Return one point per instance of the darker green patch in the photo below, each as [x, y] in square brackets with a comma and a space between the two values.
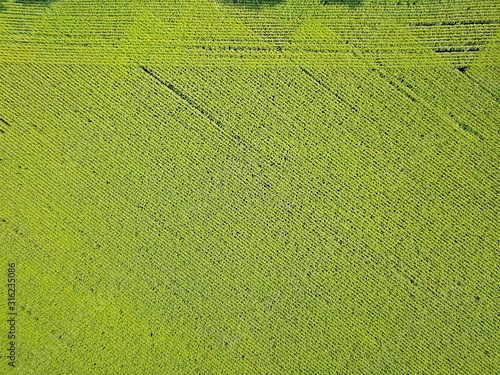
[33, 2]
[251, 3]
[467, 128]
[351, 3]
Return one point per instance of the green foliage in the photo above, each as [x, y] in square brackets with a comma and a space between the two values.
[197, 187]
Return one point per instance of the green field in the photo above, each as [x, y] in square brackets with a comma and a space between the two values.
[259, 187]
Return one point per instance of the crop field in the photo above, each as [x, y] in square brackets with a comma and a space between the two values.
[250, 186]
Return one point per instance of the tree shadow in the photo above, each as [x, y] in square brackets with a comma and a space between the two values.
[351, 3]
[253, 4]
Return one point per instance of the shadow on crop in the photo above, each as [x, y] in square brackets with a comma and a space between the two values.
[254, 4]
[27, 3]
[33, 2]
[351, 3]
